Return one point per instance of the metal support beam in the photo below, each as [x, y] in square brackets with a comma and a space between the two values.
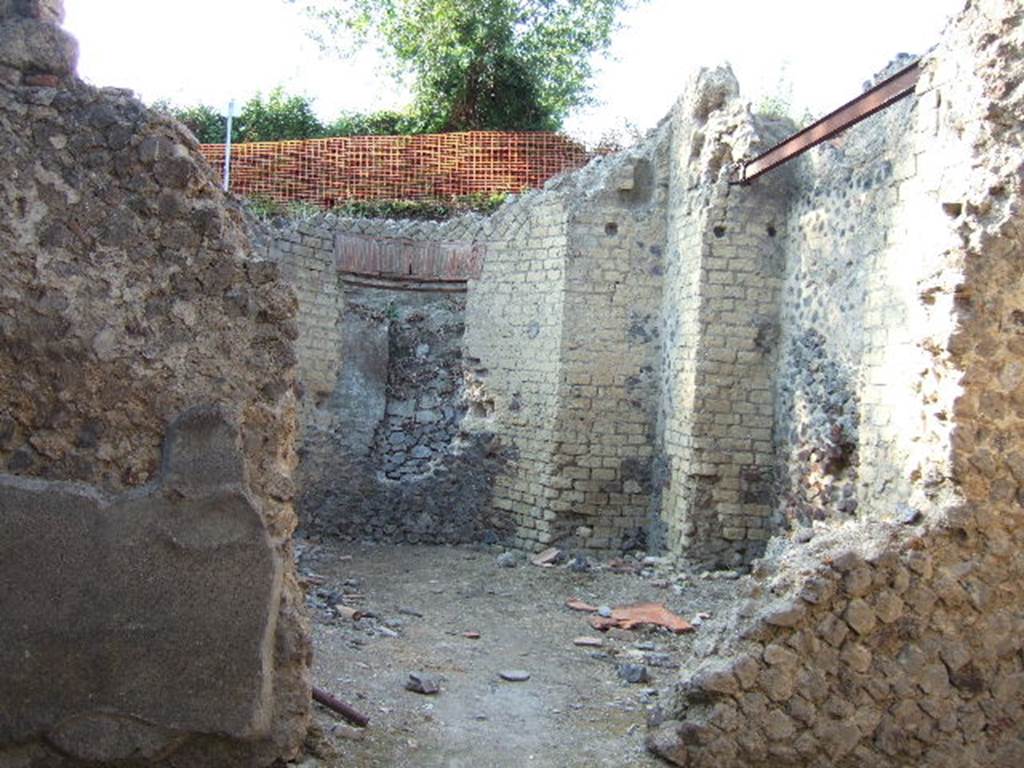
[879, 97]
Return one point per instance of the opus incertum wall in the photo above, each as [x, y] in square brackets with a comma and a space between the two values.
[149, 602]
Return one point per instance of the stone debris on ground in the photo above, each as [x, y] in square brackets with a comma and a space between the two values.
[633, 673]
[699, 619]
[520, 614]
[508, 559]
[549, 557]
[514, 675]
[347, 612]
[421, 682]
[579, 564]
[575, 604]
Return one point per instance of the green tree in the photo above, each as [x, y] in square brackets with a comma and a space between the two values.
[383, 123]
[278, 117]
[205, 122]
[480, 64]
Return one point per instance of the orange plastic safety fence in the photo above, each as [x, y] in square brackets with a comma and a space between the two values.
[326, 172]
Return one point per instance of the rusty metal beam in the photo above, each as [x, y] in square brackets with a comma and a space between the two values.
[877, 98]
[342, 708]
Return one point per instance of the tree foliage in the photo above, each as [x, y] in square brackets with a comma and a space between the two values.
[277, 118]
[205, 122]
[280, 116]
[482, 64]
[383, 123]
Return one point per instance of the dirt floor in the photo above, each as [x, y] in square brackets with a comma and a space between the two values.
[575, 710]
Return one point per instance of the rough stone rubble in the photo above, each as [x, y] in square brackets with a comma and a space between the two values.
[129, 297]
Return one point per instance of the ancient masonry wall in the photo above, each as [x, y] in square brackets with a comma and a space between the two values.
[896, 638]
[621, 346]
[305, 255]
[129, 298]
[838, 315]
[514, 317]
[555, 398]
[384, 452]
[610, 345]
[729, 378]
[720, 308]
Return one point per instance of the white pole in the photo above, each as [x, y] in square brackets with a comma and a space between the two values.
[227, 147]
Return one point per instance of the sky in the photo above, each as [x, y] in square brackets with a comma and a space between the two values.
[814, 53]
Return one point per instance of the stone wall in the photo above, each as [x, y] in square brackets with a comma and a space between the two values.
[548, 406]
[386, 455]
[513, 348]
[840, 232]
[562, 330]
[395, 463]
[611, 338]
[129, 297]
[670, 361]
[720, 308]
[895, 638]
[304, 253]
[622, 338]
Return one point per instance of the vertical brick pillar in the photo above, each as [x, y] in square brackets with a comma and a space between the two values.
[720, 310]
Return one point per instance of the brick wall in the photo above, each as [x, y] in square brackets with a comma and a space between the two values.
[611, 340]
[720, 309]
[513, 345]
[305, 252]
[325, 172]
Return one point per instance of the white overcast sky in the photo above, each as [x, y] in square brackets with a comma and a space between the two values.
[192, 51]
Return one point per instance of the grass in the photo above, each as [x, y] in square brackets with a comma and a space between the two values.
[424, 210]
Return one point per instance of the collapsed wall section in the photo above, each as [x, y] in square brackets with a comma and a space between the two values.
[386, 389]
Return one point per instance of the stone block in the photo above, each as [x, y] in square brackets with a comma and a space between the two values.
[37, 47]
[133, 619]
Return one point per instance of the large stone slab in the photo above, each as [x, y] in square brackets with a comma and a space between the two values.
[128, 621]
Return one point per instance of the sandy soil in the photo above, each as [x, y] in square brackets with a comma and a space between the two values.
[574, 711]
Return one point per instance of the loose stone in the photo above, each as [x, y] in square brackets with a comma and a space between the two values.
[421, 682]
[633, 673]
[514, 675]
